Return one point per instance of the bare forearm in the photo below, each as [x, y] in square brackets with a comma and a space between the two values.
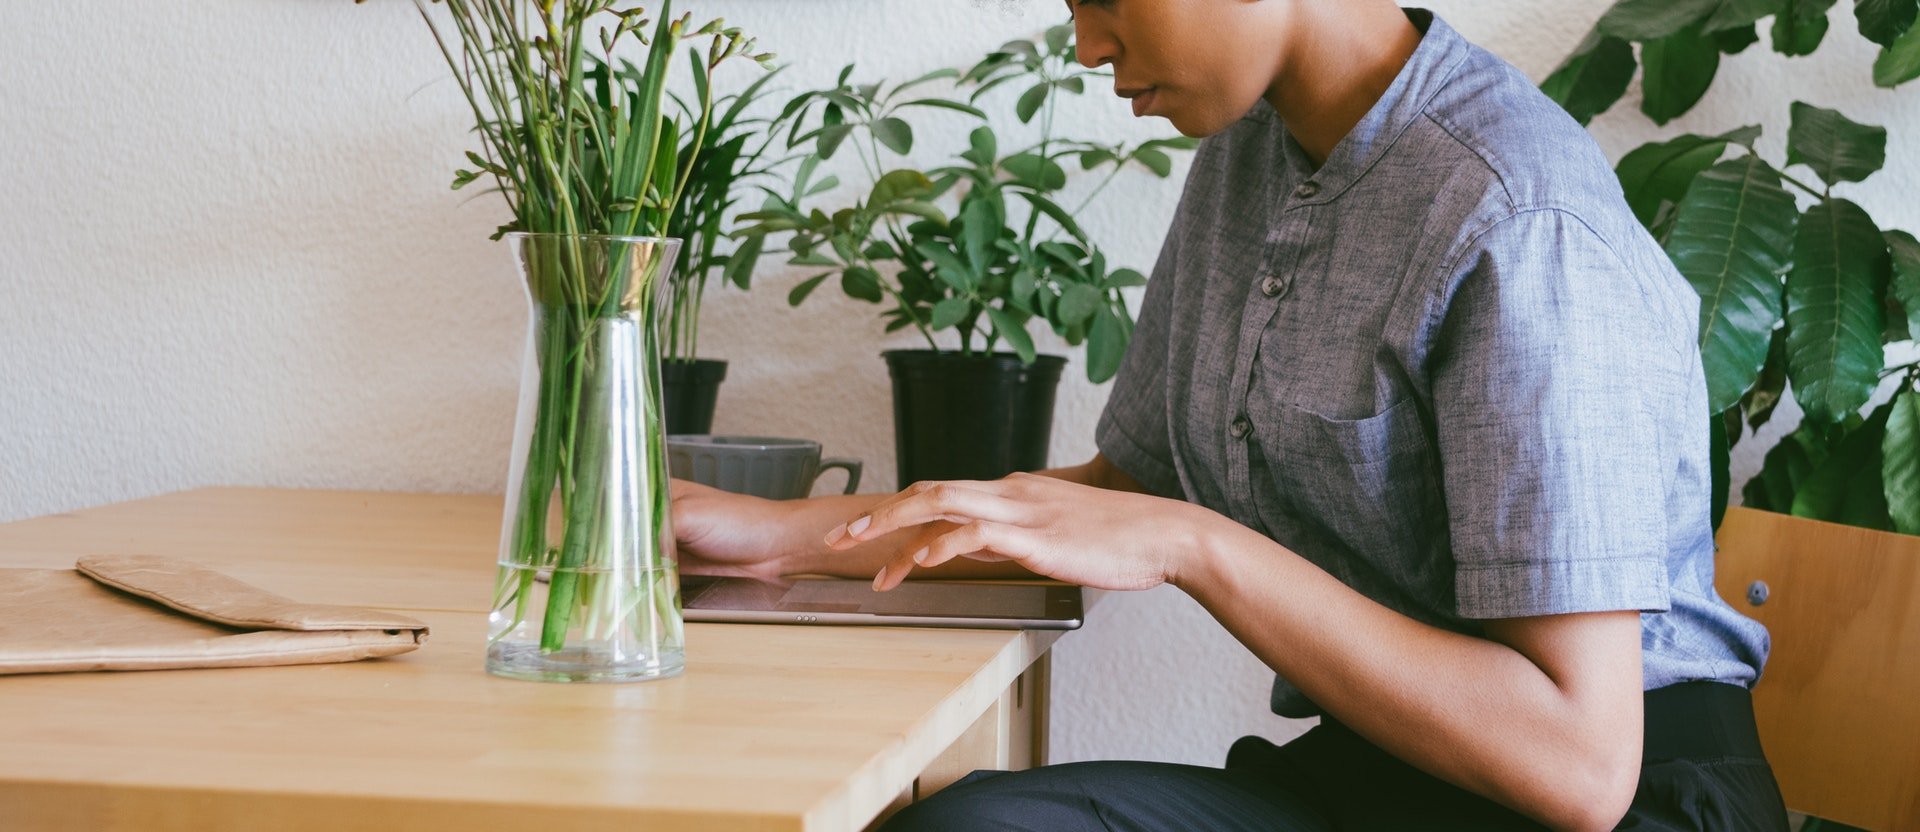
[1469, 710]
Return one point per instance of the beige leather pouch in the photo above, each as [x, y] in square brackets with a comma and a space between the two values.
[141, 612]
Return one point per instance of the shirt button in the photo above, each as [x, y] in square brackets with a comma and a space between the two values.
[1241, 427]
[1274, 286]
[1307, 191]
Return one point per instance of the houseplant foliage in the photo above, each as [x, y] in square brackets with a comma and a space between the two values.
[732, 153]
[592, 167]
[981, 245]
[1797, 283]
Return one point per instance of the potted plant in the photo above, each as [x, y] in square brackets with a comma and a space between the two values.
[1817, 297]
[734, 153]
[979, 247]
[592, 168]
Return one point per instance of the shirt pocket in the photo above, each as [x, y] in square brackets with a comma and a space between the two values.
[1372, 483]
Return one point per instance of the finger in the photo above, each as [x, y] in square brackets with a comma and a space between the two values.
[958, 501]
[982, 538]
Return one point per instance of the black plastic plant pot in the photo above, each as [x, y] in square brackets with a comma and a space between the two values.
[980, 417]
[690, 389]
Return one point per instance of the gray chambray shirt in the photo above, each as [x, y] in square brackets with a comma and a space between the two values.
[1448, 367]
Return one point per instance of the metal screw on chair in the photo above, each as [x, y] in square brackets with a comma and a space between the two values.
[1757, 593]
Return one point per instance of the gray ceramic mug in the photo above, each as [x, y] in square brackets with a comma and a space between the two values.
[764, 466]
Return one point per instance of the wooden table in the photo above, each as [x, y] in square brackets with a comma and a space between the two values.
[770, 728]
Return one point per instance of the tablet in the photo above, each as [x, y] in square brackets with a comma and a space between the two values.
[941, 603]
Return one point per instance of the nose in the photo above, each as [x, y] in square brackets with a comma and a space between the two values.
[1094, 43]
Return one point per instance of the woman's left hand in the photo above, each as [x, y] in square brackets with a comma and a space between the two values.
[1079, 534]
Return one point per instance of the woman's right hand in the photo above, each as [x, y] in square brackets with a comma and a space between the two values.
[721, 533]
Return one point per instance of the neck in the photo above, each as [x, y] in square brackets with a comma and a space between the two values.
[1340, 58]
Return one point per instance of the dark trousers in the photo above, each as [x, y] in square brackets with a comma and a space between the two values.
[1702, 770]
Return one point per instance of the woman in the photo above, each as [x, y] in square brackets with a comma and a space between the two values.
[1414, 408]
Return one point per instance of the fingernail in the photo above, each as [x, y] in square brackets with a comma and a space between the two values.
[878, 578]
[921, 556]
[858, 526]
[836, 535]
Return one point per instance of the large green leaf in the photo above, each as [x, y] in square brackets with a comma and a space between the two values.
[1594, 77]
[1847, 487]
[1834, 310]
[1884, 21]
[1838, 148]
[1906, 275]
[1734, 14]
[1647, 20]
[1760, 401]
[1735, 41]
[1662, 172]
[1679, 69]
[1799, 30]
[1731, 239]
[1900, 465]
[1900, 62]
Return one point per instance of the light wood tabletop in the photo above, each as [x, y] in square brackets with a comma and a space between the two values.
[770, 728]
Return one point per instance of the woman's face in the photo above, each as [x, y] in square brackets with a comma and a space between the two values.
[1201, 64]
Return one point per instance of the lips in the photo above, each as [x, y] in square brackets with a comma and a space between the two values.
[1142, 97]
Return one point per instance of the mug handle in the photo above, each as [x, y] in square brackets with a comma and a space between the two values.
[850, 465]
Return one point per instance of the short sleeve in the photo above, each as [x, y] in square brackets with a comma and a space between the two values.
[1552, 373]
[1133, 430]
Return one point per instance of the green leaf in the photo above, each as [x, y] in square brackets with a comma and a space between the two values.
[831, 137]
[950, 312]
[1058, 37]
[739, 271]
[1736, 41]
[1015, 334]
[1030, 101]
[1731, 239]
[1123, 278]
[895, 133]
[1884, 21]
[1663, 172]
[1838, 149]
[979, 227]
[1056, 213]
[985, 146]
[1765, 395]
[1106, 346]
[1679, 69]
[1900, 62]
[1787, 467]
[1900, 465]
[1649, 20]
[862, 283]
[1155, 161]
[1906, 275]
[1847, 487]
[1834, 310]
[947, 266]
[944, 104]
[924, 210]
[1799, 29]
[1036, 172]
[1078, 303]
[1592, 78]
[1735, 14]
[897, 185]
[806, 287]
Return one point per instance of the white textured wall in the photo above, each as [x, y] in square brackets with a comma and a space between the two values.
[229, 256]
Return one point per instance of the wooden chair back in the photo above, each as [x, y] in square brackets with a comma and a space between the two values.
[1839, 701]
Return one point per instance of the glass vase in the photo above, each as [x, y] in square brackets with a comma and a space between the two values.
[588, 590]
